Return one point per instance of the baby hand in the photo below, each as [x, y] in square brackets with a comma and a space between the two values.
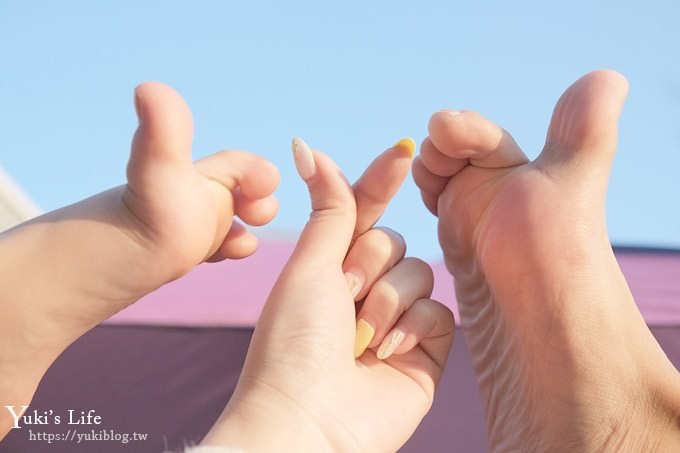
[180, 212]
[66, 271]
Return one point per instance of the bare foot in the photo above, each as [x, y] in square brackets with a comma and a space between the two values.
[563, 358]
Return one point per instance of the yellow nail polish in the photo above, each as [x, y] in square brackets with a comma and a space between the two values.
[407, 144]
[363, 338]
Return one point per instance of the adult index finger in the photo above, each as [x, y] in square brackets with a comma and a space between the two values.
[380, 182]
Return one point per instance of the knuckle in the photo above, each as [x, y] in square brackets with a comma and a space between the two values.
[417, 269]
[368, 194]
[393, 236]
[376, 242]
[386, 296]
[416, 265]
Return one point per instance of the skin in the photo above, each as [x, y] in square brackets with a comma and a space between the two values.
[64, 272]
[68, 270]
[301, 388]
[563, 358]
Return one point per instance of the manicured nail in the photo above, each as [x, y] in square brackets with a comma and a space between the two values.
[353, 283]
[364, 336]
[390, 344]
[407, 144]
[304, 159]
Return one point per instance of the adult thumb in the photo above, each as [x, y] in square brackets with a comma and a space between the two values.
[326, 238]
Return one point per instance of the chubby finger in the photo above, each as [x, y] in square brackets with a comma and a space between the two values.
[371, 255]
[165, 123]
[411, 279]
[255, 212]
[427, 323]
[380, 182]
[163, 136]
[253, 175]
[238, 243]
[240, 174]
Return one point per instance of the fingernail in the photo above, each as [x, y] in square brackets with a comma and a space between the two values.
[353, 283]
[304, 159]
[407, 144]
[390, 344]
[363, 338]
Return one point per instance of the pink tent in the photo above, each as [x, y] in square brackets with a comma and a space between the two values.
[166, 366]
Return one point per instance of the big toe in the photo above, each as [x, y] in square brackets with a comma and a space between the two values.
[584, 126]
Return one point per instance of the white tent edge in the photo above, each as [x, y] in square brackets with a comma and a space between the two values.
[15, 205]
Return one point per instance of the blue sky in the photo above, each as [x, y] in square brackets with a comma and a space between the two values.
[349, 77]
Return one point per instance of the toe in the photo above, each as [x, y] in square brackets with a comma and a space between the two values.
[583, 130]
[430, 185]
[439, 163]
[468, 135]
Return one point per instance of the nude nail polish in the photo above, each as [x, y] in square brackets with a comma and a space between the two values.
[390, 344]
[304, 159]
[353, 283]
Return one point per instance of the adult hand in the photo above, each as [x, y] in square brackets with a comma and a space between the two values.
[302, 387]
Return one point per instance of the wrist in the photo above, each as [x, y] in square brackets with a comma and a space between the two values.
[267, 422]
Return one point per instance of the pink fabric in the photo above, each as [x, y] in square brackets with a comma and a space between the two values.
[229, 293]
[654, 279]
[232, 293]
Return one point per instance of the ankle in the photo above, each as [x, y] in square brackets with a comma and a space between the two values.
[667, 415]
[651, 427]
